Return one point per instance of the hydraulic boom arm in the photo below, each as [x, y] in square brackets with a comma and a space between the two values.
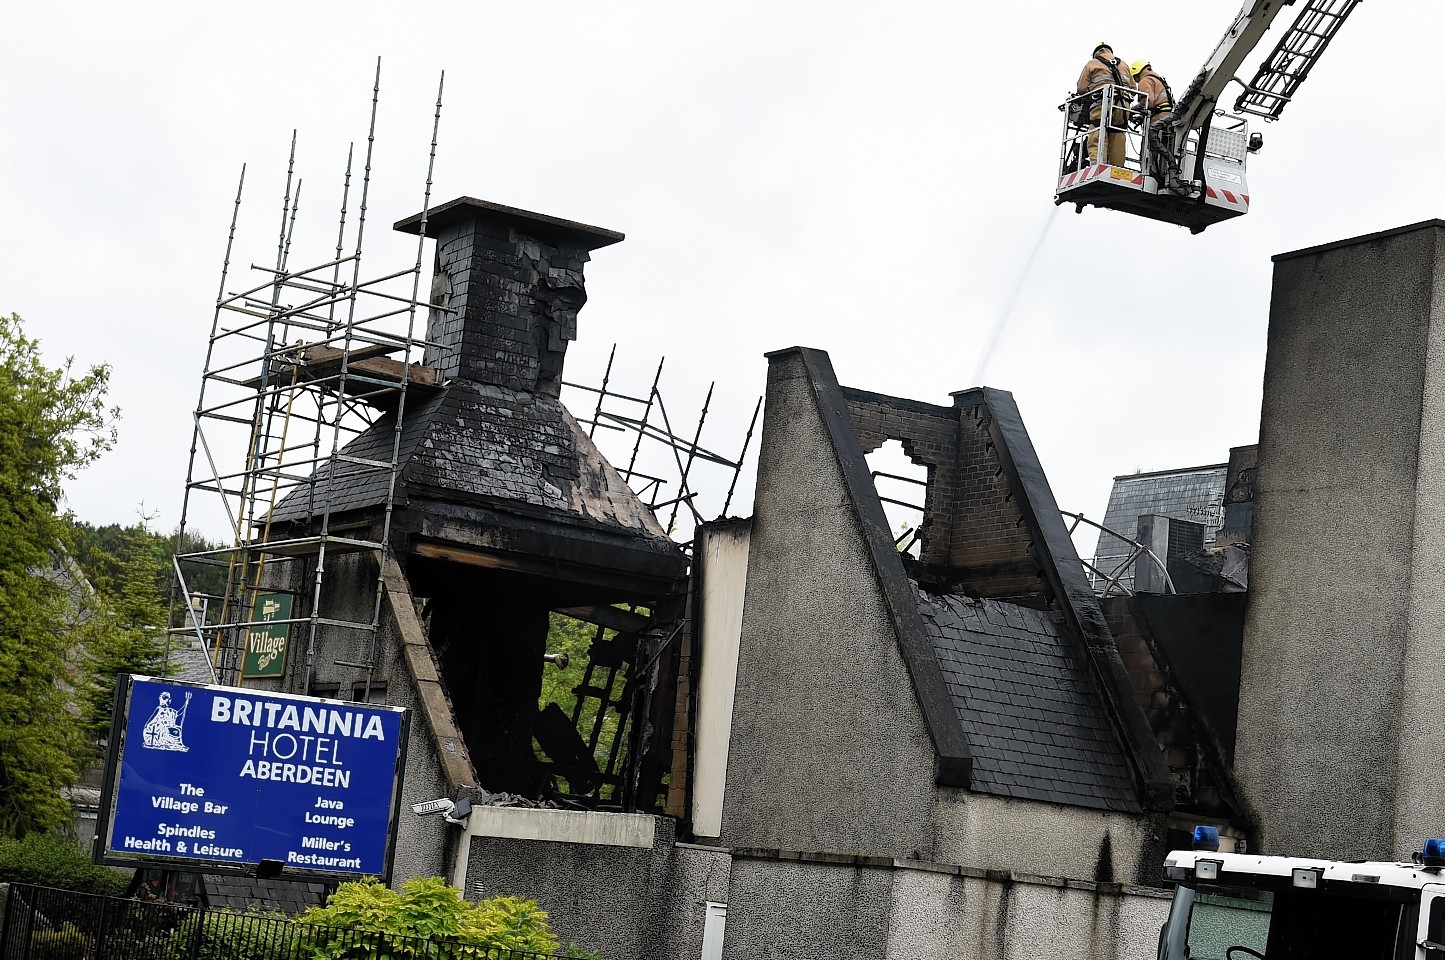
[1190, 167]
[1198, 102]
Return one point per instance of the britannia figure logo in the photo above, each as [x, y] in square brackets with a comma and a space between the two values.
[163, 730]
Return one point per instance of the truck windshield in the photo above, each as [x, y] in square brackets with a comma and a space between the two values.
[1220, 922]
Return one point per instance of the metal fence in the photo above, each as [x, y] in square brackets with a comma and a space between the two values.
[42, 923]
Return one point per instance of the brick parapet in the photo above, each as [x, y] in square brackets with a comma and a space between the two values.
[971, 523]
[928, 439]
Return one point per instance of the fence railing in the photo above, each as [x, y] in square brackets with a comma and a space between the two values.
[43, 923]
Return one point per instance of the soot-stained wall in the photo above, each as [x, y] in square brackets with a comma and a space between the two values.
[1338, 749]
[823, 713]
[515, 285]
[809, 908]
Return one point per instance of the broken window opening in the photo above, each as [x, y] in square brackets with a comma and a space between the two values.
[584, 730]
[902, 485]
[375, 693]
[543, 676]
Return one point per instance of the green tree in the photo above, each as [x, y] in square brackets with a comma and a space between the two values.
[53, 422]
[96, 549]
[100, 552]
[559, 686]
[125, 632]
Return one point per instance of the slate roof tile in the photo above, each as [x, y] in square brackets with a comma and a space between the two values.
[1028, 704]
[190, 661]
[480, 440]
[249, 893]
[1196, 494]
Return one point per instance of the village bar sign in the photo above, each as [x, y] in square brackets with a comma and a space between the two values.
[227, 780]
[266, 639]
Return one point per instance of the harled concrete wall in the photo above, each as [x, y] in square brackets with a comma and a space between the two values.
[829, 749]
[637, 896]
[986, 832]
[1338, 751]
[607, 897]
[811, 910]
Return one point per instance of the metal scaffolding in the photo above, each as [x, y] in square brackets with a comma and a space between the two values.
[678, 458]
[1109, 582]
[297, 364]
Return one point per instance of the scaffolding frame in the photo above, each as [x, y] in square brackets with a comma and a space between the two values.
[1108, 583]
[296, 366]
[618, 412]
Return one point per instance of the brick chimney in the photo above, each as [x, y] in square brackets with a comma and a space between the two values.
[512, 282]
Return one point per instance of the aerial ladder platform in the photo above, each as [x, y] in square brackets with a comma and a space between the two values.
[1189, 168]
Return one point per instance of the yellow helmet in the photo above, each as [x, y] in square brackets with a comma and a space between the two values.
[1101, 45]
[1137, 66]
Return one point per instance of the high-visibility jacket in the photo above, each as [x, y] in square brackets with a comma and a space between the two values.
[1100, 72]
[1156, 92]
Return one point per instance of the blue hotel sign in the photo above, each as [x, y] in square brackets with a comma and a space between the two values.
[220, 779]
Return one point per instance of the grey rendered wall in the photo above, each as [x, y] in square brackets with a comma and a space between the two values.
[616, 900]
[698, 875]
[1420, 752]
[805, 910]
[985, 832]
[785, 910]
[829, 750]
[1344, 646]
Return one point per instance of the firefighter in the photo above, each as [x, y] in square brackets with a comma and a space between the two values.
[1102, 70]
[1156, 98]
[1153, 91]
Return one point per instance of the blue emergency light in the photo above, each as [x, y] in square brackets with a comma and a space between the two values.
[1206, 838]
[1434, 855]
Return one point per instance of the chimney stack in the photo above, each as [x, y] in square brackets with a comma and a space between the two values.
[511, 281]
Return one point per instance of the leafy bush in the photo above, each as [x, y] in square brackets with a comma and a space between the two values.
[64, 943]
[232, 935]
[53, 861]
[575, 952]
[427, 908]
[509, 923]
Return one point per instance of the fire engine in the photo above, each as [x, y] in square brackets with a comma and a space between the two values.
[1240, 906]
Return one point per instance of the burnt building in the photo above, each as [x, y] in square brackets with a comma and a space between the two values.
[806, 708]
[828, 746]
[799, 705]
[501, 516]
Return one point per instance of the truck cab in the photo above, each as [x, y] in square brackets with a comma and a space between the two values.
[1236, 906]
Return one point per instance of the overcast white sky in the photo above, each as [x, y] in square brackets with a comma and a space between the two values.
[864, 178]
